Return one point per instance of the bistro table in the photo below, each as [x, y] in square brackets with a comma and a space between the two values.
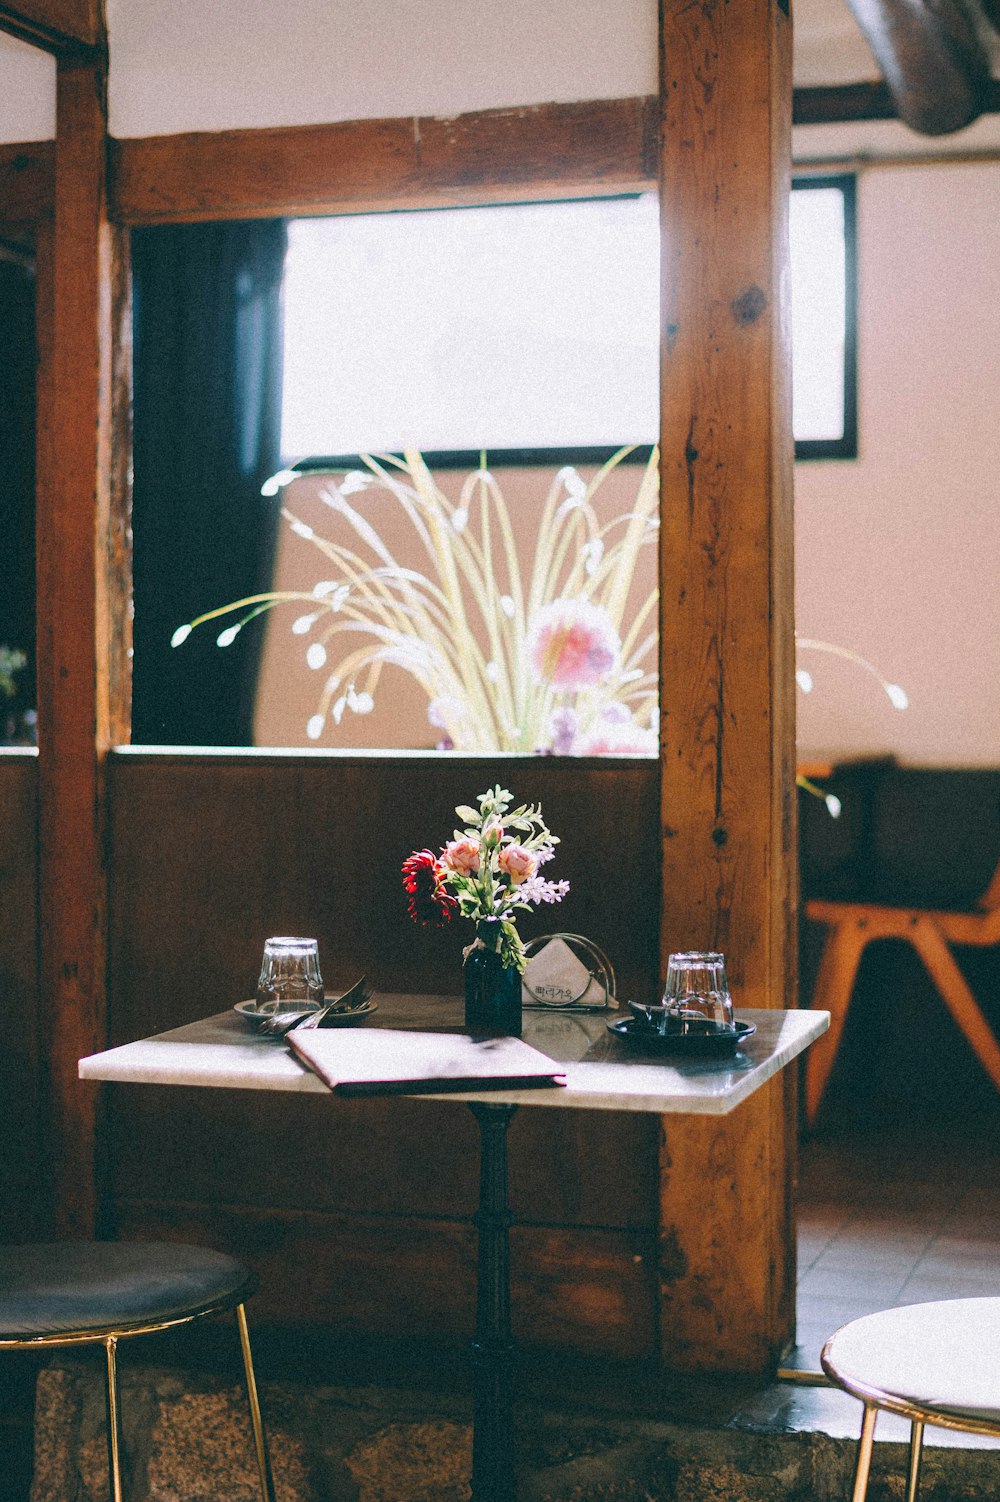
[603, 1073]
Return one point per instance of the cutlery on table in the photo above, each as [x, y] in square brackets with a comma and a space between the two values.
[284, 1022]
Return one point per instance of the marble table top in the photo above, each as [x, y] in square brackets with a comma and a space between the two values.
[603, 1072]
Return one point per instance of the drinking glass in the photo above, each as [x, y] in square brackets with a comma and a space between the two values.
[289, 976]
[696, 997]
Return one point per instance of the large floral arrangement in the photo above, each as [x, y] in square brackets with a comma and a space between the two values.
[487, 871]
[559, 658]
[555, 657]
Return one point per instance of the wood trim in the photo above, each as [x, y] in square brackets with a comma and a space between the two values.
[540, 151]
[77, 615]
[728, 808]
[65, 27]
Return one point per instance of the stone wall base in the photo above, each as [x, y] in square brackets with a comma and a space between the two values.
[188, 1439]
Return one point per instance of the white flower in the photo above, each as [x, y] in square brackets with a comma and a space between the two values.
[354, 481]
[536, 889]
[316, 656]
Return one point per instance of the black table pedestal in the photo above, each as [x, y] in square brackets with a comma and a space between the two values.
[493, 1346]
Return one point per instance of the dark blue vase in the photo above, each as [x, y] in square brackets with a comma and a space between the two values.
[492, 989]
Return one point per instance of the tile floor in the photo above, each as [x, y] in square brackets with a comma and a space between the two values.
[887, 1219]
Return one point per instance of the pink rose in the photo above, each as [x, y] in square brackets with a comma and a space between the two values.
[461, 856]
[518, 863]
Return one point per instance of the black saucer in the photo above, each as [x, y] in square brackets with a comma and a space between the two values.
[646, 1038]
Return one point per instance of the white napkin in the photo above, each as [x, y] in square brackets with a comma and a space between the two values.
[557, 977]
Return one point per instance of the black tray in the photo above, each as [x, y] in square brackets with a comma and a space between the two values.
[645, 1039]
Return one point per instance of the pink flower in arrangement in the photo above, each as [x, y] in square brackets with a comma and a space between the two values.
[612, 739]
[461, 856]
[572, 644]
[517, 862]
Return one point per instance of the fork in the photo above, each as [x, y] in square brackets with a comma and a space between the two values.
[284, 1022]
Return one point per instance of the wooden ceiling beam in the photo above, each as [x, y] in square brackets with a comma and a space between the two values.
[65, 27]
[933, 61]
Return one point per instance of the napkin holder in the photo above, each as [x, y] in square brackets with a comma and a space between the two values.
[567, 973]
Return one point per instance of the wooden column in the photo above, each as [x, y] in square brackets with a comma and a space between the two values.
[727, 649]
[82, 605]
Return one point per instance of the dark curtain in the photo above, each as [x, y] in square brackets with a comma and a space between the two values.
[17, 469]
[207, 405]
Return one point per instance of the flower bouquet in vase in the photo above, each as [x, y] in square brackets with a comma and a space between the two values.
[486, 872]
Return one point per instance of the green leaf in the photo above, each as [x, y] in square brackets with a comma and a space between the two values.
[469, 815]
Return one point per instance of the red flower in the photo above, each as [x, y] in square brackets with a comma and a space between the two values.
[428, 901]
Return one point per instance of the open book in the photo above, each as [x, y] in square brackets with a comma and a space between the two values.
[380, 1061]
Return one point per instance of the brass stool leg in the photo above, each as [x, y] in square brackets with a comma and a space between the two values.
[114, 1421]
[865, 1446]
[916, 1445]
[259, 1435]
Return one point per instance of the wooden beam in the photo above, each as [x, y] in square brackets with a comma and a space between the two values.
[82, 601]
[727, 648]
[541, 151]
[935, 66]
[486, 156]
[60, 26]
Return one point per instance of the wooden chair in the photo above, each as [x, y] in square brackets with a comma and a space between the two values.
[935, 1363]
[855, 925]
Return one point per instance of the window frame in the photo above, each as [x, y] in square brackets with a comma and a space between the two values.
[845, 447]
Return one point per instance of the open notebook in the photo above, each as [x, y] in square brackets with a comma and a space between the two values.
[380, 1061]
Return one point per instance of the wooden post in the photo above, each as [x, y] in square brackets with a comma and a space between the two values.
[82, 604]
[727, 649]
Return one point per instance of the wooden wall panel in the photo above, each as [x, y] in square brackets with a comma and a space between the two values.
[210, 854]
[214, 852]
[19, 1059]
[589, 1292]
[27, 179]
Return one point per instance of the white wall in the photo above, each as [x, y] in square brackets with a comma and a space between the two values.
[27, 92]
[898, 554]
[181, 65]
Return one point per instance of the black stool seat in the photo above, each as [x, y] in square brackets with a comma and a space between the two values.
[79, 1292]
[65, 1289]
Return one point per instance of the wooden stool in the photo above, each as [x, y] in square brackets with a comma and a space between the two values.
[81, 1293]
[855, 925]
[932, 1363]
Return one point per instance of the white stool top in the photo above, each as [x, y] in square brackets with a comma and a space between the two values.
[938, 1362]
